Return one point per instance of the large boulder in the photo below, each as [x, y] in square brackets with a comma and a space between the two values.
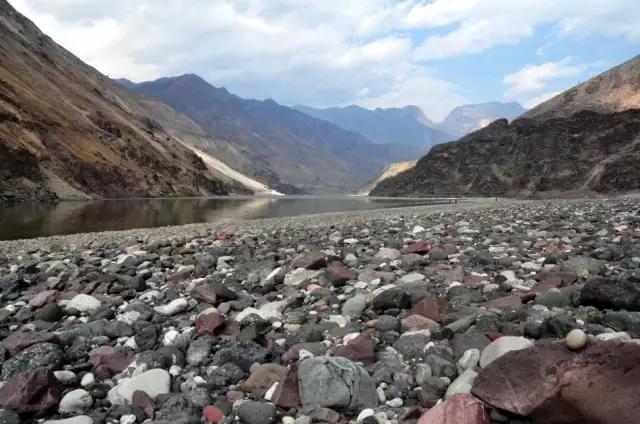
[30, 391]
[335, 382]
[47, 355]
[613, 293]
[551, 384]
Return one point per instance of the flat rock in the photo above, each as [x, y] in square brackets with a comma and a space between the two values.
[550, 384]
[501, 346]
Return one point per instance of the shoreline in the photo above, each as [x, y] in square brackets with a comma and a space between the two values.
[72, 241]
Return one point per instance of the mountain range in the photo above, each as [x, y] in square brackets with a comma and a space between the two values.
[585, 140]
[309, 154]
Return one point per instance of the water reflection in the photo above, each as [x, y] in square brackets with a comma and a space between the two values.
[43, 219]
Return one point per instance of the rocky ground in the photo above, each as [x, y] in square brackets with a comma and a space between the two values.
[528, 312]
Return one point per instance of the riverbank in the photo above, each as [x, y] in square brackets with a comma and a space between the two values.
[476, 312]
[230, 224]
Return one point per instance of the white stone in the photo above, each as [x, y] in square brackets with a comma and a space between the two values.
[88, 380]
[174, 307]
[499, 347]
[364, 414]
[154, 382]
[619, 335]
[299, 276]
[129, 317]
[531, 266]
[170, 337]
[84, 303]
[469, 359]
[273, 273]
[388, 253]
[269, 394]
[80, 419]
[75, 402]
[65, 377]
[411, 278]
[395, 403]
[509, 275]
[272, 310]
[462, 384]
[128, 419]
[417, 230]
[576, 339]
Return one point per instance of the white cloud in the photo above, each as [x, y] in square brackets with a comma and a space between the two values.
[534, 78]
[320, 53]
[478, 25]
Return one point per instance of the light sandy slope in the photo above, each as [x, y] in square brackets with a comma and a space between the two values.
[389, 171]
[221, 167]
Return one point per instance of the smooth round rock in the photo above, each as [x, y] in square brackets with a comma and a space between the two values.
[576, 339]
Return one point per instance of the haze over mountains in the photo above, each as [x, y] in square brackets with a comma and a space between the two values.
[584, 140]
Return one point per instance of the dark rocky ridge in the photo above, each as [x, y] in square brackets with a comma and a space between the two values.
[586, 152]
[583, 141]
[68, 131]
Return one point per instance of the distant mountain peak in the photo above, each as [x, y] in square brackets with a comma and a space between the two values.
[405, 125]
[467, 118]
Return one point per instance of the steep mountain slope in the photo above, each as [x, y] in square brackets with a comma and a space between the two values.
[465, 119]
[305, 152]
[613, 91]
[563, 146]
[68, 131]
[407, 125]
[389, 171]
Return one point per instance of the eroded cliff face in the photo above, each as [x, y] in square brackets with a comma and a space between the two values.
[68, 131]
[585, 152]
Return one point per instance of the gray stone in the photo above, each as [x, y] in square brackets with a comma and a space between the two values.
[46, 355]
[75, 402]
[252, 412]
[335, 382]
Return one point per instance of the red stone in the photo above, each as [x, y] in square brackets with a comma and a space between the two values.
[431, 307]
[286, 393]
[31, 391]
[458, 409]
[338, 274]
[310, 260]
[144, 403]
[212, 414]
[263, 377]
[209, 323]
[17, 341]
[43, 297]
[495, 336]
[418, 322]
[421, 248]
[108, 362]
[360, 349]
[204, 294]
[506, 304]
[473, 280]
[291, 355]
[550, 384]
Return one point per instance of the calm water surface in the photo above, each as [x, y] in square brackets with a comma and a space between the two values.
[30, 220]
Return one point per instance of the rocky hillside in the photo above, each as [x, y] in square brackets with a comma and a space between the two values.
[68, 131]
[389, 171]
[560, 146]
[303, 151]
[407, 125]
[613, 91]
[468, 118]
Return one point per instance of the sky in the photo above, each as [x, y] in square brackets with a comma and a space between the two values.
[436, 54]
